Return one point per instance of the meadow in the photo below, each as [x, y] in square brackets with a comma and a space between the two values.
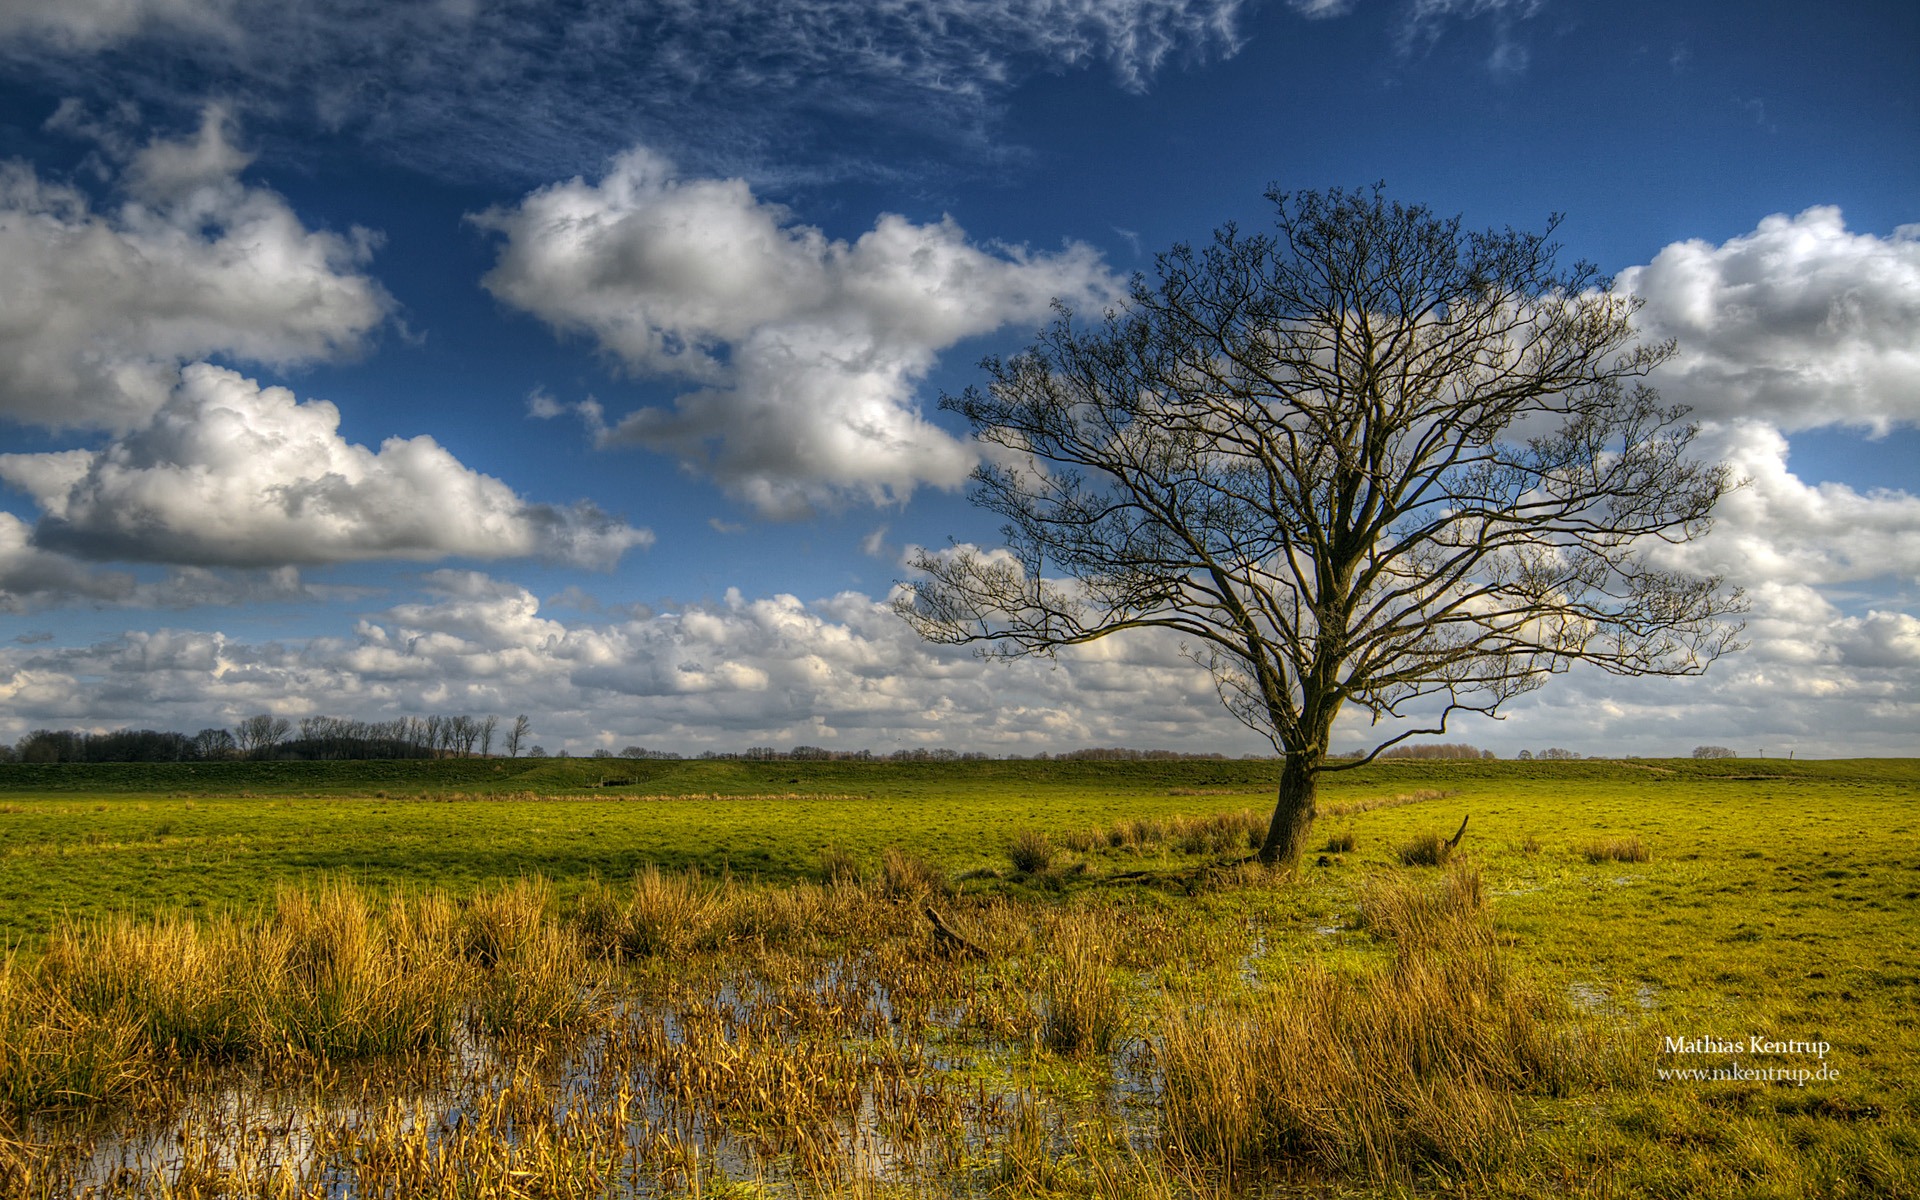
[592, 977]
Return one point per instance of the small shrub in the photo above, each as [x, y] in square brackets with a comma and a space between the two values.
[1616, 850]
[1031, 852]
[1341, 843]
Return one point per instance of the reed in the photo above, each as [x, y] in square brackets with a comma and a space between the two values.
[1081, 1008]
[1382, 1073]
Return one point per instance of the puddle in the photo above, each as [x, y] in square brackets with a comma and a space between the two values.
[815, 1082]
[1590, 998]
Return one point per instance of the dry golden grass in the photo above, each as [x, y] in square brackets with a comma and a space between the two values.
[1415, 1066]
[1082, 1010]
[679, 1034]
[1630, 849]
[1395, 801]
[1210, 833]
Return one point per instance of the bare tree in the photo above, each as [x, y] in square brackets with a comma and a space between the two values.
[1371, 459]
[213, 744]
[259, 734]
[486, 735]
[517, 735]
[465, 731]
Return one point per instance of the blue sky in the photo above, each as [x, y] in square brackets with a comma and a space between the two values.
[582, 359]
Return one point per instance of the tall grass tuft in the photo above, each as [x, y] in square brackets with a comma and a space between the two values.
[329, 973]
[658, 915]
[1031, 852]
[1415, 1066]
[1081, 1007]
[55, 1056]
[1630, 849]
[534, 967]
[905, 875]
[840, 865]
[1427, 850]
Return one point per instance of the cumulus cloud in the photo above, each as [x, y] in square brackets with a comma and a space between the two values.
[1778, 528]
[811, 347]
[1799, 323]
[843, 671]
[230, 473]
[1813, 680]
[725, 673]
[101, 309]
[33, 579]
[542, 87]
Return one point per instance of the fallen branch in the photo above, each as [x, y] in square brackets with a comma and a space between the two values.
[947, 941]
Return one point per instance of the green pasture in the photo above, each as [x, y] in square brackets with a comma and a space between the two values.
[1784, 889]
[1746, 855]
[1779, 900]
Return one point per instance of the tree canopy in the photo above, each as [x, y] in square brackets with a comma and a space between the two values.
[1370, 458]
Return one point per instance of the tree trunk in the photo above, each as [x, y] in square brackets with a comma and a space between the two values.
[1293, 812]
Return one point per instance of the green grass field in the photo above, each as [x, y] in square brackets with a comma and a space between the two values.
[1776, 900]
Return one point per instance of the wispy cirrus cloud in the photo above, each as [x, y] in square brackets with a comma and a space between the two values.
[1425, 21]
[537, 88]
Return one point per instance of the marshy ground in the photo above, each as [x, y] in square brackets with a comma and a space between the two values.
[458, 994]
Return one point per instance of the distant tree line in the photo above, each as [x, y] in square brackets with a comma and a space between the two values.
[1427, 750]
[265, 736]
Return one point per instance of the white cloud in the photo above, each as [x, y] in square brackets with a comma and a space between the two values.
[1777, 530]
[811, 348]
[230, 473]
[723, 674]
[843, 671]
[1812, 680]
[1880, 639]
[36, 580]
[1799, 323]
[1780, 529]
[101, 309]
